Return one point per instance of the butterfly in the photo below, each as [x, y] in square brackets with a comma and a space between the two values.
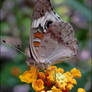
[51, 39]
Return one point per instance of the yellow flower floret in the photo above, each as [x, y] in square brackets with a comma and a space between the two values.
[76, 73]
[65, 80]
[51, 76]
[54, 89]
[63, 86]
[69, 74]
[42, 91]
[74, 82]
[49, 91]
[60, 70]
[61, 80]
[70, 86]
[70, 78]
[38, 85]
[81, 90]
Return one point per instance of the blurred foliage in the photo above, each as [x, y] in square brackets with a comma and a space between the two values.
[7, 76]
[82, 9]
[15, 23]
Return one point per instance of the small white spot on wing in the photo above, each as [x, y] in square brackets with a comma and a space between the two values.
[36, 40]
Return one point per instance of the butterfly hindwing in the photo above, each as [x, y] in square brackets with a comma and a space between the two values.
[59, 43]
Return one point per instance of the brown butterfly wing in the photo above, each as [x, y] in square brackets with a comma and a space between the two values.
[63, 32]
[40, 8]
[58, 44]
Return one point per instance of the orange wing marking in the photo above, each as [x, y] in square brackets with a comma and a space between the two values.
[36, 44]
[38, 35]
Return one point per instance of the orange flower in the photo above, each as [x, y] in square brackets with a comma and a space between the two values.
[29, 76]
[74, 82]
[76, 73]
[69, 74]
[38, 85]
[70, 86]
[60, 70]
[53, 78]
[81, 90]
[70, 78]
[15, 71]
[52, 68]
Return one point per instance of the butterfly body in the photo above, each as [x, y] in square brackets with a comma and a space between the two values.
[51, 39]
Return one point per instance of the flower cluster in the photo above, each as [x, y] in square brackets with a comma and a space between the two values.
[51, 80]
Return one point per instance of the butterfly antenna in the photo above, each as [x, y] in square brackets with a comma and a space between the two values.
[13, 47]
